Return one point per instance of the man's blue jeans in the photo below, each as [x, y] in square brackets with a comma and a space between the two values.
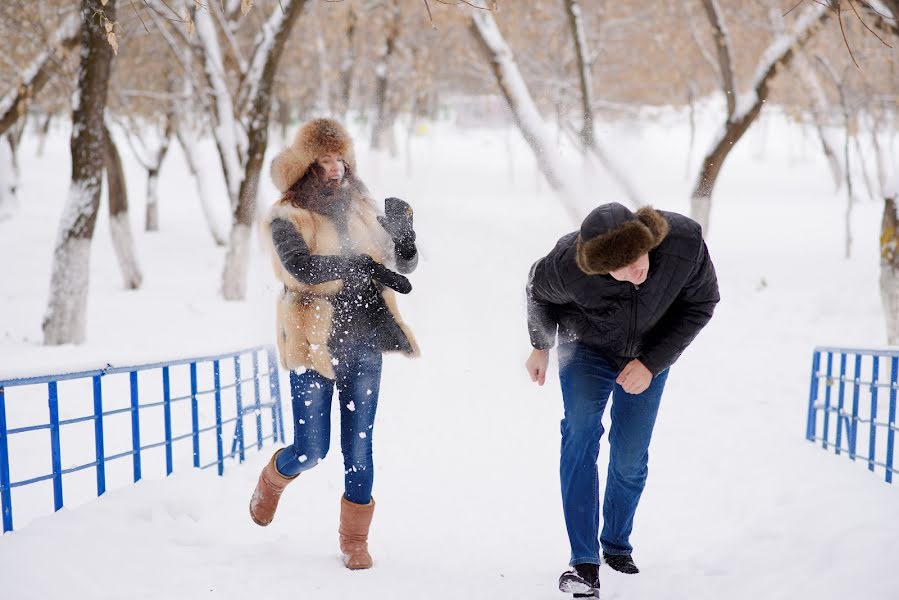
[358, 381]
[587, 382]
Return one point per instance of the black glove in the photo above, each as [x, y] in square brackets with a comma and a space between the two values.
[362, 268]
[358, 271]
[392, 279]
[398, 221]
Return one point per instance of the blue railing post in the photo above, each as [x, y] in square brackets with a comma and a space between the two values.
[5, 489]
[216, 376]
[275, 395]
[856, 387]
[238, 395]
[167, 415]
[828, 384]
[258, 404]
[98, 435]
[135, 426]
[55, 457]
[891, 422]
[840, 399]
[873, 430]
[195, 413]
[813, 398]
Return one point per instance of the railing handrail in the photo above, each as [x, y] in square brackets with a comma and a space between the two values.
[882, 352]
[110, 369]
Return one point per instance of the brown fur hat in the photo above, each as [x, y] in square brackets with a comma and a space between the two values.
[315, 138]
[612, 237]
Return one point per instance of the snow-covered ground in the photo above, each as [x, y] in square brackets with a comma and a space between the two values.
[738, 504]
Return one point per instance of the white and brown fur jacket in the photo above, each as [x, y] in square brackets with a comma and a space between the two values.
[306, 311]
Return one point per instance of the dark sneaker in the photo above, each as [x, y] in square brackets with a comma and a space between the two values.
[581, 580]
[623, 563]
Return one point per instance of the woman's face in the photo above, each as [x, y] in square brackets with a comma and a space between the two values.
[333, 166]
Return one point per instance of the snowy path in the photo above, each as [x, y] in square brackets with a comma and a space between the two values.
[738, 505]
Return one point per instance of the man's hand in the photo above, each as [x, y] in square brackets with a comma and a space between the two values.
[634, 378]
[536, 365]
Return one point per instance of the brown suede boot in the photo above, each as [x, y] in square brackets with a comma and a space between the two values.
[355, 519]
[268, 491]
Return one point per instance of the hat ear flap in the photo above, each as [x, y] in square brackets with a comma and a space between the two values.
[655, 222]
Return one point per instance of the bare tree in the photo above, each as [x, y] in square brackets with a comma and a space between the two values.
[587, 137]
[742, 111]
[66, 317]
[483, 27]
[260, 77]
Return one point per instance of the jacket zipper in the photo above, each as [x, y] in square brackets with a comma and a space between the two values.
[633, 328]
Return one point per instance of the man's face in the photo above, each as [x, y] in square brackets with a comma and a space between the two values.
[333, 166]
[635, 272]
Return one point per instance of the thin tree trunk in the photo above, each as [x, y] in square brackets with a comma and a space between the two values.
[66, 318]
[43, 133]
[119, 223]
[691, 101]
[152, 216]
[584, 68]
[234, 276]
[587, 133]
[347, 64]
[9, 179]
[850, 197]
[878, 157]
[820, 105]
[863, 165]
[889, 267]
[383, 125]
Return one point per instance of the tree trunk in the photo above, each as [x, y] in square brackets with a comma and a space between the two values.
[234, 276]
[889, 267]
[43, 133]
[119, 223]
[850, 195]
[66, 317]
[382, 131]
[347, 64]
[585, 79]
[9, 178]
[152, 216]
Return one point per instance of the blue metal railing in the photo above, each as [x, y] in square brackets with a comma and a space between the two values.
[196, 396]
[855, 404]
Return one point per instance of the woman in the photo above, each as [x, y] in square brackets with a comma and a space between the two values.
[336, 316]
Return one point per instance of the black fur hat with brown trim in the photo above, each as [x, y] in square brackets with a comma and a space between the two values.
[314, 139]
[612, 237]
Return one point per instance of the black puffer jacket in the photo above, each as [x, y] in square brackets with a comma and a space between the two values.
[654, 322]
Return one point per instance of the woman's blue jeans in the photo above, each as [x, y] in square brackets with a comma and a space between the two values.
[587, 382]
[358, 380]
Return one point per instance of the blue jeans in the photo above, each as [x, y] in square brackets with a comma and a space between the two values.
[587, 382]
[358, 380]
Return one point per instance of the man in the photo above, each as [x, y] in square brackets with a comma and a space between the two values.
[627, 294]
